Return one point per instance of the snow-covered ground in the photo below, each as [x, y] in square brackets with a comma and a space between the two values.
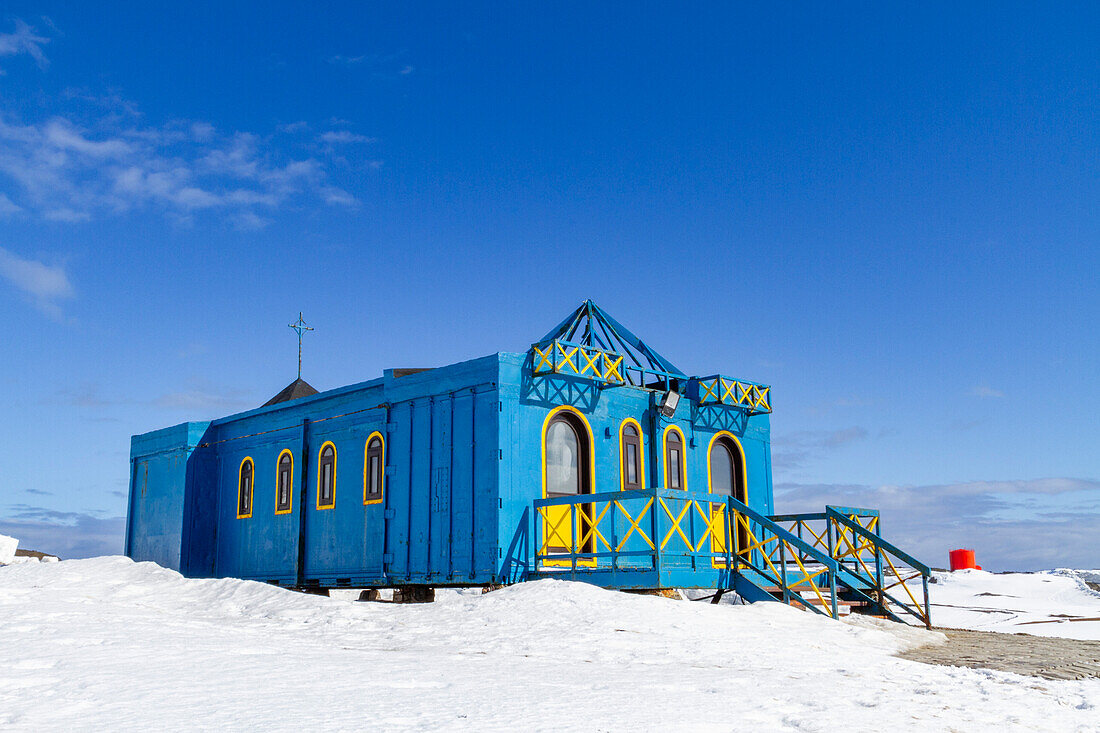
[107, 644]
[1055, 603]
[8, 546]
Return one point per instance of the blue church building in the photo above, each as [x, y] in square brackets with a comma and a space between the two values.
[589, 456]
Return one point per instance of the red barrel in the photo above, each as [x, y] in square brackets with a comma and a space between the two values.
[962, 560]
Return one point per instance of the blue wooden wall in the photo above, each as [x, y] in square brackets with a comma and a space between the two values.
[528, 400]
[463, 464]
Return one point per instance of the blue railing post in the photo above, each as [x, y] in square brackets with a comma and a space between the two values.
[572, 542]
[655, 532]
[878, 575]
[927, 610]
[691, 533]
[783, 568]
[832, 593]
[614, 512]
[730, 534]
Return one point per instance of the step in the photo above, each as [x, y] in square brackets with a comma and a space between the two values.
[811, 597]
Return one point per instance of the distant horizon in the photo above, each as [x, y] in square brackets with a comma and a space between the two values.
[890, 215]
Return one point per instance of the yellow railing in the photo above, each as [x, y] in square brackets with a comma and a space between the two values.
[872, 567]
[719, 390]
[578, 360]
[632, 528]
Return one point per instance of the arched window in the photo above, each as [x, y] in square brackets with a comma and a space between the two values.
[630, 456]
[374, 469]
[726, 471]
[284, 483]
[245, 481]
[326, 477]
[674, 459]
[567, 456]
[563, 465]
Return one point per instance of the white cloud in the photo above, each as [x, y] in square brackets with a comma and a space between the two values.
[343, 136]
[338, 196]
[7, 207]
[1015, 524]
[986, 392]
[381, 65]
[99, 159]
[66, 172]
[795, 450]
[24, 40]
[346, 60]
[293, 127]
[46, 285]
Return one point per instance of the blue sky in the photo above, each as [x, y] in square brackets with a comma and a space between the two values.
[891, 215]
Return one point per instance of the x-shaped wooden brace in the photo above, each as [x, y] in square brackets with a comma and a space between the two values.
[676, 525]
[567, 356]
[552, 529]
[611, 369]
[762, 397]
[634, 525]
[728, 391]
[708, 521]
[544, 356]
[594, 529]
[808, 578]
[592, 364]
[709, 392]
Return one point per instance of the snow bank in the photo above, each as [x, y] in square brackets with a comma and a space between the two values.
[1054, 603]
[111, 644]
[8, 546]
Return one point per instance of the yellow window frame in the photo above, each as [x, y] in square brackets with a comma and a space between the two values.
[290, 488]
[322, 507]
[683, 456]
[576, 529]
[719, 544]
[251, 488]
[366, 466]
[622, 453]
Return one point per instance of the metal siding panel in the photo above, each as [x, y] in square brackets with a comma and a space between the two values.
[440, 525]
[399, 490]
[486, 495]
[345, 541]
[462, 487]
[261, 546]
[419, 490]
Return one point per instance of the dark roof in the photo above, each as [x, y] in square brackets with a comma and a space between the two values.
[295, 390]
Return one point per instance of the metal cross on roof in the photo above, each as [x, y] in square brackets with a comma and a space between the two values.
[301, 328]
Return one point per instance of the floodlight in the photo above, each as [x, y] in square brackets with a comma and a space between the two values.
[669, 402]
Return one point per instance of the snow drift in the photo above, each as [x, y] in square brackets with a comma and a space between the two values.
[107, 644]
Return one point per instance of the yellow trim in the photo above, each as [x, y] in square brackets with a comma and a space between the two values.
[676, 524]
[634, 525]
[544, 357]
[251, 488]
[591, 476]
[641, 453]
[744, 498]
[382, 488]
[709, 392]
[568, 356]
[592, 363]
[334, 456]
[744, 466]
[683, 456]
[290, 489]
[611, 368]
